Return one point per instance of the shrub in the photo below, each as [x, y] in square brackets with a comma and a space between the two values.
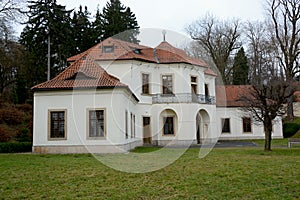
[15, 147]
[23, 135]
[290, 129]
[4, 134]
[11, 116]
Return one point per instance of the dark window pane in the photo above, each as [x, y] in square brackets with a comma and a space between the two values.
[226, 125]
[168, 125]
[57, 124]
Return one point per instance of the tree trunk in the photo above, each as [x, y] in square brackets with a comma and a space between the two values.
[268, 133]
[290, 108]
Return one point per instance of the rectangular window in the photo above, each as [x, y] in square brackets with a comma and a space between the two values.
[126, 124]
[194, 84]
[57, 124]
[145, 87]
[168, 125]
[247, 125]
[132, 125]
[206, 90]
[225, 125]
[167, 84]
[96, 123]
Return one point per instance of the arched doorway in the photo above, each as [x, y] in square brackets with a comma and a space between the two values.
[202, 125]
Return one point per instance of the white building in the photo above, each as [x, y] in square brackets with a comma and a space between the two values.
[117, 95]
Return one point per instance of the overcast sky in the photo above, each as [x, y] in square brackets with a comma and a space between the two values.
[176, 14]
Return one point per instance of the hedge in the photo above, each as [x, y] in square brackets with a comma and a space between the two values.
[290, 129]
[15, 147]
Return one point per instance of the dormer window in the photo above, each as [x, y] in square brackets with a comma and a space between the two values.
[137, 51]
[108, 49]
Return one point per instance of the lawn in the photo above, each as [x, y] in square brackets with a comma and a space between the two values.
[237, 173]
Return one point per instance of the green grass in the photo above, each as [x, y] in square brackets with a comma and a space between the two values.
[240, 173]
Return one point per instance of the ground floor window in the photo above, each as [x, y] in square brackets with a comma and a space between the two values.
[96, 123]
[247, 125]
[225, 122]
[57, 124]
[168, 125]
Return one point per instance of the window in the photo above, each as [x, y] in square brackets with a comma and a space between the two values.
[168, 125]
[247, 125]
[225, 125]
[96, 123]
[194, 84]
[126, 124]
[145, 82]
[57, 124]
[206, 90]
[132, 119]
[108, 49]
[167, 84]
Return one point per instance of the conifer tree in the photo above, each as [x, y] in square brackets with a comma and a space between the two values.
[82, 36]
[46, 18]
[117, 18]
[240, 68]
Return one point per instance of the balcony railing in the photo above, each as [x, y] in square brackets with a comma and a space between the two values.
[183, 98]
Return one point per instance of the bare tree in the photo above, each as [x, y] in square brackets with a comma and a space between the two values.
[10, 10]
[285, 17]
[219, 39]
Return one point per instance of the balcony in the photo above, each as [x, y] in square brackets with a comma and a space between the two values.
[183, 98]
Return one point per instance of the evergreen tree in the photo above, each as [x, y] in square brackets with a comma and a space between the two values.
[117, 18]
[46, 18]
[240, 68]
[97, 27]
[82, 36]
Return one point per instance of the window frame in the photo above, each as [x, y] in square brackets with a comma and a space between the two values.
[172, 85]
[173, 125]
[148, 84]
[245, 128]
[89, 137]
[126, 125]
[50, 111]
[223, 122]
[108, 49]
[194, 84]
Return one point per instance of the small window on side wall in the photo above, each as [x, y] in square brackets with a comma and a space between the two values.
[247, 128]
[225, 125]
[57, 125]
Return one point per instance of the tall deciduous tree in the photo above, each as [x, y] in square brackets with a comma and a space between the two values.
[117, 18]
[219, 38]
[47, 20]
[240, 68]
[285, 17]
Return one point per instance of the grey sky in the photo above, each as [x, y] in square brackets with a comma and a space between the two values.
[175, 14]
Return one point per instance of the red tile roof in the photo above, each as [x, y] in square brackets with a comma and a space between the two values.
[83, 73]
[231, 95]
[163, 53]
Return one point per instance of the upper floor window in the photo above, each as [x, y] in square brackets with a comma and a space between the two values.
[206, 90]
[145, 86]
[194, 84]
[167, 84]
[108, 49]
[96, 123]
[247, 125]
[57, 126]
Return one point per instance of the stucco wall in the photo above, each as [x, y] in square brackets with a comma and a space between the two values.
[76, 104]
[236, 125]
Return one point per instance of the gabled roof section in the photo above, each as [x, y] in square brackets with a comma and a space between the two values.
[231, 95]
[169, 54]
[121, 50]
[83, 73]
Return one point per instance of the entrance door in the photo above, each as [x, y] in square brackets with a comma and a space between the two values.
[147, 139]
[198, 123]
